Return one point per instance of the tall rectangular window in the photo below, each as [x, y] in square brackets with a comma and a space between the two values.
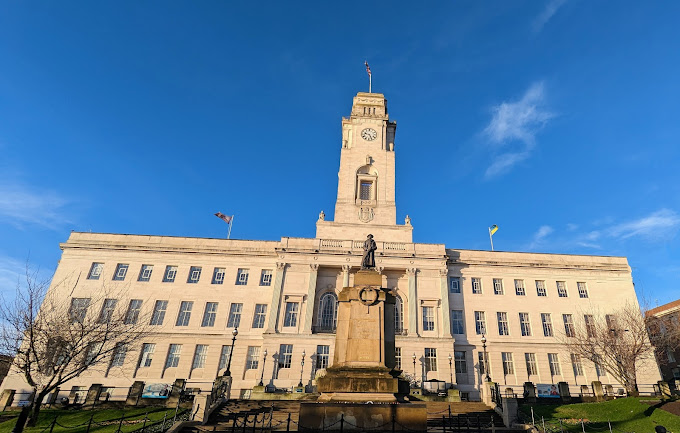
[253, 358]
[428, 318]
[519, 288]
[108, 306]
[547, 324]
[497, 286]
[184, 313]
[225, 354]
[582, 290]
[568, 325]
[322, 354]
[260, 315]
[477, 286]
[457, 322]
[599, 367]
[173, 355]
[291, 316]
[209, 314]
[118, 358]
[454, 285]
[460, 361]
[508, 365]
[242, 277]
[159, 312]
[78, 309]
[532, 368]
[366, 190]
[200, 355]
[590, 325]
[121, 272]
[218, 276]
[170, 274]
[576, 365]
[525, 324]
[397, 358]
[561, 289]
[145, 273]
[430, 359]
[285, 355]
[194, 275]
[554, 362]
[95, 271]
[266, 277]
[480, 323]
[234, 319]
[147, 354]
[503, 328]
[540, 288]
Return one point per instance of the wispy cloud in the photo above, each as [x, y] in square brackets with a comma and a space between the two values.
[548, 12]
[540, 235]
[11, 273]
[516, 122]
[663, 223]
[22, 205]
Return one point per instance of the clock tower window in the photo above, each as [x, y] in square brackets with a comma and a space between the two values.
[366, 190]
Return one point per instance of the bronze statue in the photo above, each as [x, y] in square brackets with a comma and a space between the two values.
[368, 260]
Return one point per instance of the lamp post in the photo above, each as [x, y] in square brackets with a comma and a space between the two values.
[414, 366]
[450, 369]
[486, 360]
[264, 361]
[302, 367]
[231, 352]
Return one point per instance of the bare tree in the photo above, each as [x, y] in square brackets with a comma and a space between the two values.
[616, 342]
[664, 332]
[55, 337]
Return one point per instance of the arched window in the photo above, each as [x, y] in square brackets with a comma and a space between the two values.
[398, 315]
[328, 312]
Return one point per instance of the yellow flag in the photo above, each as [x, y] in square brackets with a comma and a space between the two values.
[493, 229]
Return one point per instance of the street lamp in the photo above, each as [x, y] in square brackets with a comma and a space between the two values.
[414, 366]
[486, 360]
[264, 361]
[450, 370]
[231, 352]
[302, 368]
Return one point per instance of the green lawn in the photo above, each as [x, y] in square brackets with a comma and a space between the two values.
[625, 415]
[104, 420]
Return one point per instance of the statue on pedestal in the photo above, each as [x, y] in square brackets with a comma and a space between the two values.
[368, 259]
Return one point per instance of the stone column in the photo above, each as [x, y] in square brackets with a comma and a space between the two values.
[598, 393]
[444, 287]
[276, 299]
[529, 392]
[412, 303]
[311, 296]
[176, 393]
[93, 393]
[565, 395]
[345, 275]
[135, 393]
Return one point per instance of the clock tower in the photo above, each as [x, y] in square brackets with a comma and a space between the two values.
[366, 180]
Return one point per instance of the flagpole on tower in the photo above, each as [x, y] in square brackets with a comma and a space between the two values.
[490, 236]
[368, 71]
[230, 223]
[493, 229]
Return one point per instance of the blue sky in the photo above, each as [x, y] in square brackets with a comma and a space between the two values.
[556, 120]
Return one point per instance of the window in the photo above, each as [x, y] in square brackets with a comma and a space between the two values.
[590, 325]
[290, 318]
[460, 361]
[561, 289]
[328, 309]
[519, 288]
[133, 310]
[366, 190]
[94, 351]
[78, 309]
[599, 368]
[503, 323]
[266, 277]
[525, 324]
[540, 288]
[285, 355]
[242, 277]
[145, 273]
[121, 272]
[173, 355]
[253, 358]
[170, 274]
[95, 271]
[194, 275]
[670, 355]
[322, 354]
[397, 358]
[576, 365]
[532, 368]
[480, 323]
[200, 355]
[209, 314]
[454, 285]
[611, 323]
[428, 318]
[118, 357]
[159, 312]
[147, 354]
[259, 316]
[497, 286]
[457, 322]
[582, 290]
[547, 324]
[398, 315]
[225, 354]
[482, 363]
[234, 319]
[218, 276]
[554, 362]
[108, 307]
[430, 359]
[568, 325]
[508, 365]
[477, 286]
[184, 313]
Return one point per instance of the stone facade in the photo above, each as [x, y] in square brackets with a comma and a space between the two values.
[664, 320]
[283, 294]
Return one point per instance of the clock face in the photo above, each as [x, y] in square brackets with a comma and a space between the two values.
[369, 134]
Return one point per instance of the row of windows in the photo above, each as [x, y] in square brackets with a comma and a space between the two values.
[458, 326]
[553, 363]
[170, 274]
[455, 287]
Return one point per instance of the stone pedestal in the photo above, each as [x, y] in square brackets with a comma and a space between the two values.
[598, 392]
[93, 393]
[6, 398]
[363, 417]
[135, 393]
[664, 389]
[565, 395]
[453, 395]
[176, 393]
[529, 392]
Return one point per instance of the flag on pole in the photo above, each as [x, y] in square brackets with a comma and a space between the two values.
[368, 68]
[226, 218]
[493, 229]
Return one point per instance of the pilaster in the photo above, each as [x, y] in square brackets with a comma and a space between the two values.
[412, 303]
[345, 275]
[446, 312]
[276, 298]
[311, 295]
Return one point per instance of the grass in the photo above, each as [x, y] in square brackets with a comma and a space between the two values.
[625, 415]
[76, 421]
